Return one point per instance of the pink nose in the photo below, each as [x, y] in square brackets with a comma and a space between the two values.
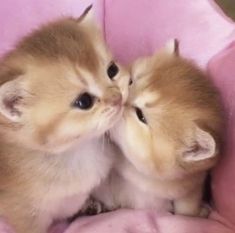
[112, 96]
[116, 99]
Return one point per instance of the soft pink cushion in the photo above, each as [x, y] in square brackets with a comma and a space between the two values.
[134, 28]
[222, 69]
[127, 221]
[19, 17]
[137, 27]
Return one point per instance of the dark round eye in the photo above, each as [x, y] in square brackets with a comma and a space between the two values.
[140, 115]
[112, 70]
[85, 101]
[130, 82]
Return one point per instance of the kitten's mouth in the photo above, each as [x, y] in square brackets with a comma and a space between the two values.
[113, 110]
[113, 114]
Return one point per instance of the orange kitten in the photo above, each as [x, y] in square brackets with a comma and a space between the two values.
[170, 134]
[60, 91]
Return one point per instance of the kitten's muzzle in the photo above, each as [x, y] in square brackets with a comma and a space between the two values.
[113, 97]
[116, 99]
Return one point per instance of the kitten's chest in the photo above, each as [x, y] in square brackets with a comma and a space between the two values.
[164, 189]
[68, 181]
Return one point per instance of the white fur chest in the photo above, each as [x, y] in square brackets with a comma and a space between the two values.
[70, 177]
[148, 191]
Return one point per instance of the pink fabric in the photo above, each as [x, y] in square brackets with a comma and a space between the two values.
[134, 28]
[138, 27]
[222, 69]
[128, 221]
[4, 227]
[17, 18]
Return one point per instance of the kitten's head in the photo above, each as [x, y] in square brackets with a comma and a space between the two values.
[172, 121]
[59, 85]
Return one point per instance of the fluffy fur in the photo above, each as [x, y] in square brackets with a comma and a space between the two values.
[52, 154]
[170, 134]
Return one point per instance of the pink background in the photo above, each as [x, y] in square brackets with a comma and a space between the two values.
[134, 28]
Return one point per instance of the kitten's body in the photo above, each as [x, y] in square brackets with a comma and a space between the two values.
[170, 134]
[145, 192]
[58, 96]
[49, 188]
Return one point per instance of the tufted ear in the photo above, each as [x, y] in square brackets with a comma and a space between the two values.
[12, 99]
[87, 16]
[202, 146]
[172, 47]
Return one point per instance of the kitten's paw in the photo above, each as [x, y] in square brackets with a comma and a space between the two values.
[92, 207]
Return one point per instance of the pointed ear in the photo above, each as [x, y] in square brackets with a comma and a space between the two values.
[202, 147]
[87, 16]
[12, 99]
[172, 47]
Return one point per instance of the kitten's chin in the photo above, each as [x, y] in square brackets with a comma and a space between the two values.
[108, 120]
[115, 118]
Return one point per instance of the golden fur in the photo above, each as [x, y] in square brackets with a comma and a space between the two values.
[51, 153]
[168, 156]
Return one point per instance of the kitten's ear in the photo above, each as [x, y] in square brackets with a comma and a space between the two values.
[87, 16]
[12, 99]
[172, 47]
[202, 146]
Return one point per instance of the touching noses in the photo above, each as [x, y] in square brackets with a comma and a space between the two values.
[116, 99]
[113, 96]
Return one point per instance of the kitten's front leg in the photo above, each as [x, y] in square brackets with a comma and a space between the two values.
[191, 205]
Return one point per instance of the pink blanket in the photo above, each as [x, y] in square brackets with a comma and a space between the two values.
[128, 221]
[134, 28]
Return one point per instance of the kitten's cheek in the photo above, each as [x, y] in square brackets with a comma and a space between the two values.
[109, 117]
[117, 133]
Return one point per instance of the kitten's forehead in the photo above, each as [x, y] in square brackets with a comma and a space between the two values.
[67, 51]
[146, 99]
[143, 92]
[141, 68]
[62, 74]
[89, 81]
[62, 39]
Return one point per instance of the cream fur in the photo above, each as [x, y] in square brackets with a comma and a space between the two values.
[162, 164]
[53, 154]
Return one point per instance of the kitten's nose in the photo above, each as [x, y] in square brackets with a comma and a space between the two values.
[116, 99]
[113, 96]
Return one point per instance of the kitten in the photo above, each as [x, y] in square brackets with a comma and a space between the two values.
[170, 134]
[60, 91]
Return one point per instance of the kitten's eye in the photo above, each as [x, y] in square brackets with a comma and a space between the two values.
[130, 82]
[85, 101]
[140, 115]
[112, 70]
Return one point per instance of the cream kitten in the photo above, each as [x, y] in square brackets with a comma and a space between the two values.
[170, 134]
[60, 91]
